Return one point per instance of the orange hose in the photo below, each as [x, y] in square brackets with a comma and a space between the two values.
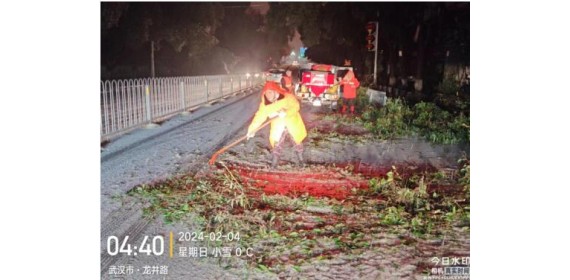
[220, 151]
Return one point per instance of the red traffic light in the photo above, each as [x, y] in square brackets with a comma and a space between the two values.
[370, 27]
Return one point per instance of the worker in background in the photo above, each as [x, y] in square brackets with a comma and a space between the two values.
[287, 81]
[278, 103]
[350, 84]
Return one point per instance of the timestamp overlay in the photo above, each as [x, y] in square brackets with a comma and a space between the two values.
[173, 254]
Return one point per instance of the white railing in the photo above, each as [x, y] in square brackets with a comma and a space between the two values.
[128, 104]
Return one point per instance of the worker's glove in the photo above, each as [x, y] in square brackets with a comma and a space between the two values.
[250, 135]
[273, 115]
[282, 114]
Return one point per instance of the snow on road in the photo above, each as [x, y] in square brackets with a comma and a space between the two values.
[148, 155]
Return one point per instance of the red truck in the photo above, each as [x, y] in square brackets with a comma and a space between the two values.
[319, 84]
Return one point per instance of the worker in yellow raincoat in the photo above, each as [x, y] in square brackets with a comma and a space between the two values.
[278, 103]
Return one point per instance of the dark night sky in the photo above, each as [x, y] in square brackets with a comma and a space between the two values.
[214, 38]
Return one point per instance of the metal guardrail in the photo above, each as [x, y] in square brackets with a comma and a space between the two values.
[129, 104]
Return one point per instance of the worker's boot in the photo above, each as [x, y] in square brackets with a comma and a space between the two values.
[278, 150]
[343, 111]
[300, 160]
[352, 109]
[299, 153]
[274, 161]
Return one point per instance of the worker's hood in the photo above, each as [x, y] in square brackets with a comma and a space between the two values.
[272, 88]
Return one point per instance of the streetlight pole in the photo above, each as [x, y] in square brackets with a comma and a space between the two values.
[152, 58]
[376, 55]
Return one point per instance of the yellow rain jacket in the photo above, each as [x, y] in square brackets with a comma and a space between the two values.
[292, 121]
